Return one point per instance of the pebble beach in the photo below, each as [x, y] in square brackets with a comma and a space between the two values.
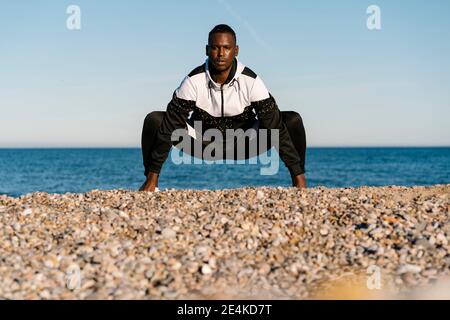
[247, 243]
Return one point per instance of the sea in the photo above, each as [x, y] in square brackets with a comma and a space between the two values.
[76, 170]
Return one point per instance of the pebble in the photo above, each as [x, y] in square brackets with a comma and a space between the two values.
[124, 215]
[324, 231]
[441, 239]
[27, 212]
[409, 268]
[206, 269]
[260, 195]
[168, 233]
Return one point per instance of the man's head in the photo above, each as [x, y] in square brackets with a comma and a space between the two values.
[222, 48]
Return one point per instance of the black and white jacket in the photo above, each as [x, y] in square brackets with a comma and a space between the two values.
[235, 104]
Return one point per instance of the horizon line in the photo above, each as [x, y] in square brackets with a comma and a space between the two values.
[314, 146]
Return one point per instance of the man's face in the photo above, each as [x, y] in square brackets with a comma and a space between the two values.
[221, 50]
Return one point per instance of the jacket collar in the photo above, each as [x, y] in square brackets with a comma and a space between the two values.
[235, 72]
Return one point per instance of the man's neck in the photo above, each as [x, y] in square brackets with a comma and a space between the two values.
[221, 77]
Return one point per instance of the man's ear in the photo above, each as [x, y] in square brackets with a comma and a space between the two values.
[206, 50]
[236, 51]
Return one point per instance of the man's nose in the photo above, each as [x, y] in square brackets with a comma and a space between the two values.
[221, 51]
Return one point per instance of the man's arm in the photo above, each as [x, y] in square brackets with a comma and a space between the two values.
[175, 118]
[178, 109]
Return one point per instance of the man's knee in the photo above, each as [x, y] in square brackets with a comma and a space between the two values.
[292, 119]
[154, 118]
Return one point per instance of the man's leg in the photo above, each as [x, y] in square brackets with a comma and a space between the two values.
[294, 124]
[292, 120]
[152, 123]
[253, 147]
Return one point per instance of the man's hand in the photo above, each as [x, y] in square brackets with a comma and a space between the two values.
[151, 183]
[299, 181]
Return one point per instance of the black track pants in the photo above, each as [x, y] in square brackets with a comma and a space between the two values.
[292, 120]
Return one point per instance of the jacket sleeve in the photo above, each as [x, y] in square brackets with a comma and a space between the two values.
[269, 116]
[175, 118]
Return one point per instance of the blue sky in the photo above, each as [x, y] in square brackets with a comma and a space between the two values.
[353, 87]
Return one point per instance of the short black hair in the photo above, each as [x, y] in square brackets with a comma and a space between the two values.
[221, 28]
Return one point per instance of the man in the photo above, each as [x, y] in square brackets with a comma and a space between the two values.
[224, 94]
